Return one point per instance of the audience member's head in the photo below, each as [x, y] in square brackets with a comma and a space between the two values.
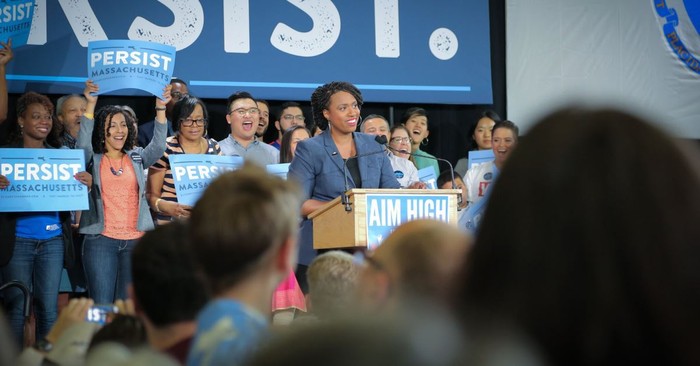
[321, 100]
[332, 278]
[444, 181]
[589, 243]
[416, 262]
[377, 125]
[35, 124]
[290, 115]
[189, 106]
[431, 339]
[111, 121]
[127, 330]
[416, 121]
[245, 226]
[166, 287]
[264, 118]
[504, 139]
[290, 139]
[69, 109]
[243, 116]
[480, 136]
[179, 89]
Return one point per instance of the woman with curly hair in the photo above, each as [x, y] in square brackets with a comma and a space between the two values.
[35, 246]
[119, 213]
[340, 157]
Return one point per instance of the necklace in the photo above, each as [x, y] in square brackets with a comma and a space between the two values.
[201, 147]
[111, 168]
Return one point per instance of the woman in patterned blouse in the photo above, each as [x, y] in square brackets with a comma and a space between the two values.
[190, 121]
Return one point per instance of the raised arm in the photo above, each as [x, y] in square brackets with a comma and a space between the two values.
[87, 121]
[6, 56]
[155, 149]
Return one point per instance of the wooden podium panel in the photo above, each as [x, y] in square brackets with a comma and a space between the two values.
[334, 227]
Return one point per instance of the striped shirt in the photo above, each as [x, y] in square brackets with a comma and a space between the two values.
[172, 146]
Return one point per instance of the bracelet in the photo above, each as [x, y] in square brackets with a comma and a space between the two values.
[160, 108]
[158, 208]
[89, 115]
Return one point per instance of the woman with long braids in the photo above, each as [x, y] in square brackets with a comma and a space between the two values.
[119, 213]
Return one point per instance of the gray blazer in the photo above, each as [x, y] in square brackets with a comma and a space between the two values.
[318, 167]
[92, 221]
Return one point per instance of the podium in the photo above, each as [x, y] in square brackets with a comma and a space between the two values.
[374, 213]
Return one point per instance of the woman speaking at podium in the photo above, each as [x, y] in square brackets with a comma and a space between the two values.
[337, 159]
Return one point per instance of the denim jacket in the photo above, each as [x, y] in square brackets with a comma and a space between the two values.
[92, 221]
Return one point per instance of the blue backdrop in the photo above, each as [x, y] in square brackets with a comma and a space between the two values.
[415, 51]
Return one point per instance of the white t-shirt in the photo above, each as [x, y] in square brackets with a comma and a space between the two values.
[404, 170]
[479, 179]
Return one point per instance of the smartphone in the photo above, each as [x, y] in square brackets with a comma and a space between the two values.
[101, 313]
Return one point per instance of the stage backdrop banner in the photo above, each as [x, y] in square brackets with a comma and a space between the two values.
[42, 180]
[192, 173]
[394, 51]
[16, 21]
[125, 64]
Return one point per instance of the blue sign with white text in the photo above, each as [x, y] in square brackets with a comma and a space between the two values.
[192, 173]
[16, 21]
[394, 51]
[386, 212]
[479, 157]
[42, 180]
[279, 170]
[427, 176]
[116, 65]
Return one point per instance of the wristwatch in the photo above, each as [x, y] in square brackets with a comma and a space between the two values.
[43, 345]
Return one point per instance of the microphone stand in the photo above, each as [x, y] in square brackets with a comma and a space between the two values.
[344, 199]
[452, 171]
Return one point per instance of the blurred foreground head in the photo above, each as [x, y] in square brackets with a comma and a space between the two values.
[417, 262]
[589, 245]
[245, 225]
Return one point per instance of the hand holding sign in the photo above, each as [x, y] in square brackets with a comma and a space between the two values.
[84, 178]
[164, 99]
[90, 92]
[127, 64]
[4, 182]
[6, 54]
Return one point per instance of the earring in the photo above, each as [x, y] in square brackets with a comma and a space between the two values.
[424, 142]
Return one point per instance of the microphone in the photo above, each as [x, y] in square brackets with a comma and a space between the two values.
[452, 171]
[344, 197]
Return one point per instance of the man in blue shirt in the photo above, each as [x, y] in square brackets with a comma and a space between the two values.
[242, 262]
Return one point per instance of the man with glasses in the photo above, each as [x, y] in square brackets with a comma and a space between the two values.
[243, 116]
[179, 88]
[290, 115]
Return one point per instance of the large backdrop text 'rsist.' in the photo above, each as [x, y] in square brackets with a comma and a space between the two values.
[395, 51]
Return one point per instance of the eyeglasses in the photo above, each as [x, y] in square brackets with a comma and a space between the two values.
[290, 117]
[362, 259]
[242, 111]
[176, 95]
[189, 122]
[398, 140]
